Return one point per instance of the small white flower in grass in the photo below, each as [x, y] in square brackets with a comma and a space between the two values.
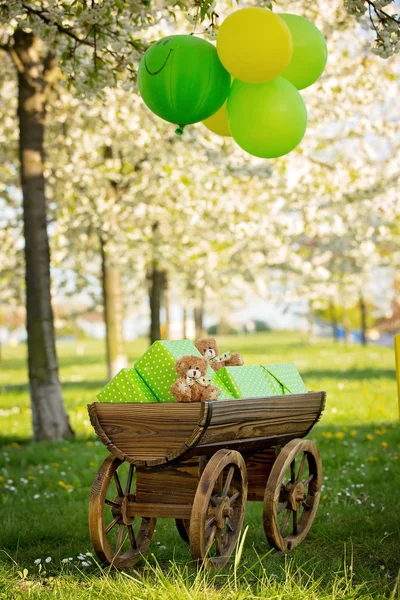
[163, 547]
[89, 554]
[81, 557]
[36, 496]
[48, 559]
[37, 561]
[85, 564]
[65, 560]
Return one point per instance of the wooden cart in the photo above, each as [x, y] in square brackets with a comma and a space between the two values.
[198, 464]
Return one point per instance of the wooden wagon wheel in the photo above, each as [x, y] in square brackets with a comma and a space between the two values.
[292, 494]
[218, 509]
[117, 538]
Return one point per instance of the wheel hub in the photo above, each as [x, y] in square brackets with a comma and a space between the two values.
[221, 511]
[296, 494]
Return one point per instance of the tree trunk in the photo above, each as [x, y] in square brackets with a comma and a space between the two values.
[167, 307]
[223, 327]
[113, 306]
[184, 323]
[198, 315]
[346, 325]
[334, 323]
[49, 418]
[363, 319]
[156, 282]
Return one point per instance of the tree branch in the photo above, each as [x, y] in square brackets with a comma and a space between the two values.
[61, 29]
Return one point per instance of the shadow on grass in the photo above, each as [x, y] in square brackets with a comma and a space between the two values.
[350, 374]
[17, 388]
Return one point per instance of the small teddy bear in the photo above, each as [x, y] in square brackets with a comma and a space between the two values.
[209, 349]
[193, 385]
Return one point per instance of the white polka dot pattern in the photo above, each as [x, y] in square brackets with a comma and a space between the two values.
[276, 386]
[289, 377]
[157, 367]
[248, 382]
[126, 386]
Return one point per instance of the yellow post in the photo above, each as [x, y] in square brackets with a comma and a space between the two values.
[397, 354]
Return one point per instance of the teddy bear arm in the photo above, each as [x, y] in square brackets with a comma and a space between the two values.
[235, 360]
[181, 391]
[211, 393]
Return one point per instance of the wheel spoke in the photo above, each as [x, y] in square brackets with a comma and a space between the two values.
[301, 467]
[132, 537]
[229, 525]
[282, 508]
[111, 503]
[218, 539]
[234, 497]
[209, 522]
[292, 472]
[120, 538]
[211, 539]
[295, 531]
[285, 521]
[219, 484]
[309, 479]
[118, 484]
[228, 481]
[111, 525]
[129, 480]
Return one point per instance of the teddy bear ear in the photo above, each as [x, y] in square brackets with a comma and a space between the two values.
[179, 363]
[205, 362]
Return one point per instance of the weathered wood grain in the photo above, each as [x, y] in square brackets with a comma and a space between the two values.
[245, 445]
[259, 465]
[155, 434]
[147, 434]
[159, 510]
[174, 483]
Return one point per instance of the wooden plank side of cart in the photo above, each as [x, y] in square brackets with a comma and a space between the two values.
[154, 434]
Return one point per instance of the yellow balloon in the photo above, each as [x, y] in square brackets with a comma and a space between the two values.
[254, 44]
[218, 122]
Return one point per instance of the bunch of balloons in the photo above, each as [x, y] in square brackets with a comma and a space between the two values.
[247, 87]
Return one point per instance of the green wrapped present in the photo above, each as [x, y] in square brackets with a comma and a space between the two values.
[126, 386]
[249, 382]
[288, 377]
[157, 368]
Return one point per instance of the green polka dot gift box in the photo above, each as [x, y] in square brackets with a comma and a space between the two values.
[288, 377]
[126, 386]
[157, 368]
[249, 382]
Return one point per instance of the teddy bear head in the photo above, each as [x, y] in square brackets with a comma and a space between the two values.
[191, 366]
[207, 347]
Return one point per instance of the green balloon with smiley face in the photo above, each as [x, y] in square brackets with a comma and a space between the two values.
[182, 80]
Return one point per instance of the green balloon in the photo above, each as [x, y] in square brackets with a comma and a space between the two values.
[266, 119]
[309, 52]
[182, 80]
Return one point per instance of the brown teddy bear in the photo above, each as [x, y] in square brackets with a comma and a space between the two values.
[193, 385]
[209, 349]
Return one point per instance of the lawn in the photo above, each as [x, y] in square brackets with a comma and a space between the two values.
[352, 551]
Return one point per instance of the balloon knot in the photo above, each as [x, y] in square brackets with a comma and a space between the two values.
[179, 130]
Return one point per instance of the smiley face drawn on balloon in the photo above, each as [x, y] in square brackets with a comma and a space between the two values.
[157, 53]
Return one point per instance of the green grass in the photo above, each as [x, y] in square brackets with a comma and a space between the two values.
[351, 552]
